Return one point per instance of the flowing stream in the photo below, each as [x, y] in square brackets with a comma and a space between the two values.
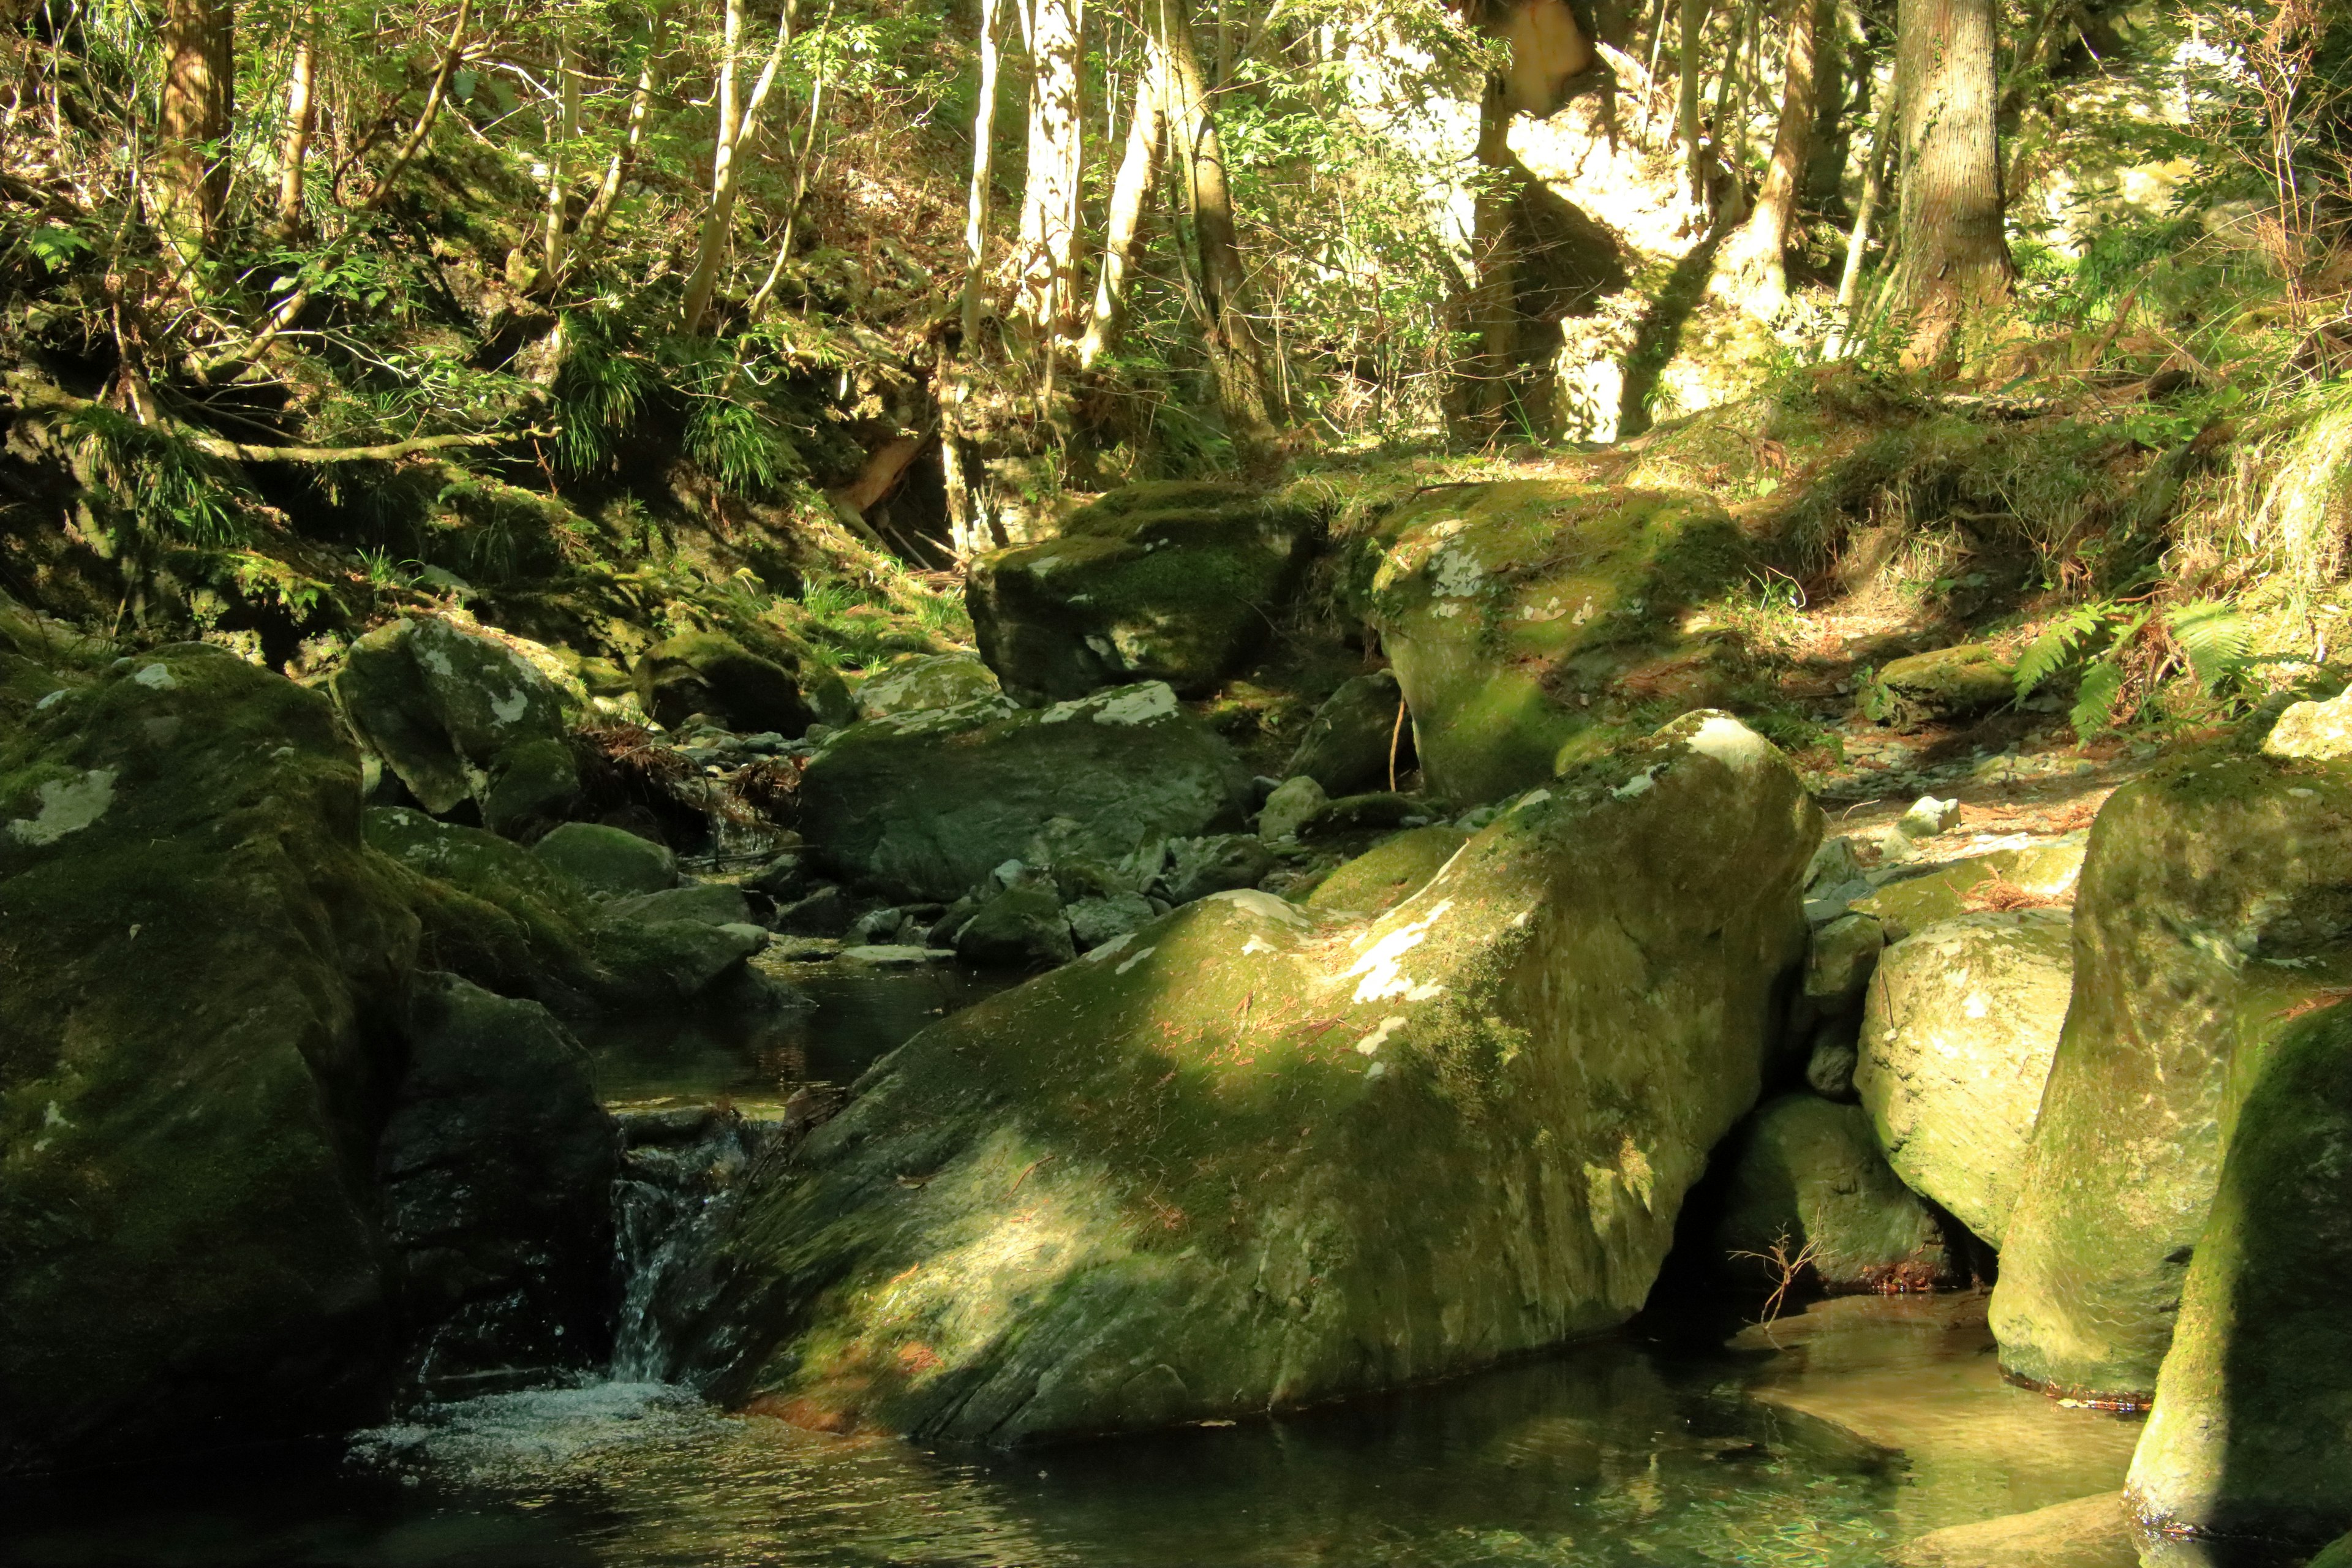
[1824, 1440]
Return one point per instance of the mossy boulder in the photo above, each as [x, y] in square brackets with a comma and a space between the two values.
[2338, 1554]
[1518, 615]
[1957, 1033]
[1349, 741]
[926, 804]
[459, 715]
[926, 680]
[202, 963]
[1390, 872]
[1255, 1156]
[1949, 683]
[1174, 582]
[2215, 900]
[2040, 875]
[2252, 1432]
[1807, 1184]
[40, 657]
[609, 862]
[776, 686]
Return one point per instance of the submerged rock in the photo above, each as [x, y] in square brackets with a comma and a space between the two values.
[1809, 1189]
[1255, 1156]
[2088, 1532]
[926, 805]
[1348, 742]
[459, 715]
[2252, 1432]
[1520, 614]
[200, 956]
[2216, 900]
[1957, 1034]
[1155, 582]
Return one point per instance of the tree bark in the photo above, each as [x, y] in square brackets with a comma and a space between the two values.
[1753, 266]
[301, 119]
[616, 168]
[1857, 245]
[1693, 28]
[562, 133]
[738, 122]
[1956, 264]
[1245, 394]
[199, 40]
[1495, 255]
[1138, 171]
[1044, 305]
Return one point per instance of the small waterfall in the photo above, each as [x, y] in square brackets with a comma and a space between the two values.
[679, 1168]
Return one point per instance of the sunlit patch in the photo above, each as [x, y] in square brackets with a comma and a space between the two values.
[1382, 976]
[1131, 963]
[1379, 1037]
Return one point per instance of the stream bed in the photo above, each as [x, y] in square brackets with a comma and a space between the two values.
[1825, 1440]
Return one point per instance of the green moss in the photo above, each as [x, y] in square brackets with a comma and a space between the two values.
[1390, 873]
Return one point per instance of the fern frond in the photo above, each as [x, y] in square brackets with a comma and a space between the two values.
[2056, 647]
[2218, 639]
[2094, 698]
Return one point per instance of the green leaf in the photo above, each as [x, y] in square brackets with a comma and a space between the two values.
[2095, 700]
[2056, 647]
[2218, 639]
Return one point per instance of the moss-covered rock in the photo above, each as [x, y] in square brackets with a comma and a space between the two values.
[928, 680]
[1520, 614]
[2252, 1432]
[2338, 1554]
[493, 912]
[1022, 927]
[611, 861]
[459, 715]
[1957, 1034]
[1390, 872]
[2042, 871]
[1256, 1157]
[1155, 582]
[1349, 741]
[1807, 1186]
[2216, 897]
[776, 687]
[1949, 683]
[200, 962]
[925, 804]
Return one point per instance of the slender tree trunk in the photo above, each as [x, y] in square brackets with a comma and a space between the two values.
[1956, 265]
[1494, 255]
[301, 119]
[1046, 300]
[1687, 100]
[199, 41]
[1753, 265]
[960, 466]
[1857, 245]
[1246, 392]
[616, 168]
[563, 133]
[1138, 171]
[738, 122]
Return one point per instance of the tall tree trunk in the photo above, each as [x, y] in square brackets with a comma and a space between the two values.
[960, 465]
[1138, 171]
[1753, 266]
[1857, 245]
[1956, 265]
[616, 168]
[1246, 392]
[301, 119]
[1494, 256]
[1045, 304]
[1686, 127]
[563, 130]
[199, 104]
[738, 122]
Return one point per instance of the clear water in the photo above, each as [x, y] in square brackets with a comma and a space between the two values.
[1612, 1455]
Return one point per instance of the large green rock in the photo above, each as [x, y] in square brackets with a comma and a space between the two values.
[926, 680]
[609, 862]
[2252, 1433]
[1155, 582]
[459, 715]
[775, 687]
[2216, 898]
[1253, 1156]
[1809, 1189]
[1390, 872]
[926, 804]
[1349, 742]
[1949, 683]
[200, 962]
[1957, 1032]
[1520, 615]
[2338, 1554]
